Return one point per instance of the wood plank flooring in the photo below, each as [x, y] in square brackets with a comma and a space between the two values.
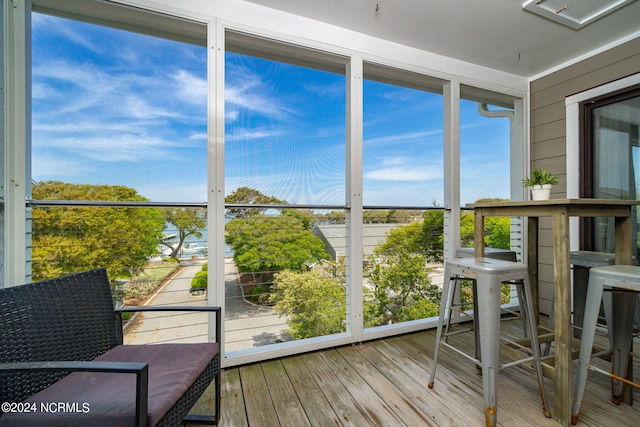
[384, 383]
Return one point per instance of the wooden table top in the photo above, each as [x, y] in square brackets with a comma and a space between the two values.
[555, 202]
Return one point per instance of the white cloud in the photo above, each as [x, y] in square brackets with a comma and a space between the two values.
[198, 137]
[191, 88]
[399, 138]
[402, 168]
[57, 166]
[400, 173]
[174, 192]
[140, 107]
[113, 148]
[244, 134]
[245, 90]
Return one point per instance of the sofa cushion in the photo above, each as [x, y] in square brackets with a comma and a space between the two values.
[108, 399]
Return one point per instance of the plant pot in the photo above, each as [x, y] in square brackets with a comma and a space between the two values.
[541, 192]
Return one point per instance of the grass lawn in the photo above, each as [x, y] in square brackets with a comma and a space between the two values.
[145, 283]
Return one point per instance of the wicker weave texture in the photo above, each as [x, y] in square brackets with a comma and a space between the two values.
[67, 318]
[71, 318]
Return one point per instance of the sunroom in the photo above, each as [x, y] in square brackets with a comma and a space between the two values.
[276, 157]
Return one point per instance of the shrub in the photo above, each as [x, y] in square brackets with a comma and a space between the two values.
[199, 281]
[259, 295]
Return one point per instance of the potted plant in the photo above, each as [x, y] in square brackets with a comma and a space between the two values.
[540, 183]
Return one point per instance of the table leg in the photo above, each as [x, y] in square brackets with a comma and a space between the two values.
[478, 233]
[562, 311]
[624, 256]
[624, 229]
[532, 262]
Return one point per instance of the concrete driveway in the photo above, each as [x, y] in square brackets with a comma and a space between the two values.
[246, 325]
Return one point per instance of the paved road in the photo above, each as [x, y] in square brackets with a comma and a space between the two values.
[246, 325]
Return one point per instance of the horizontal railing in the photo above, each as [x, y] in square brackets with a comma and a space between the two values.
[270, 296]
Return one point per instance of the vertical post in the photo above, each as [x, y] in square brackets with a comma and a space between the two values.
[355, 295]
[562, 310]
[451, 168]
[215, 184]
[17, 137]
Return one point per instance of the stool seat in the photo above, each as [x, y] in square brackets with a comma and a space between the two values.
[489, 273]
[620, 276]
[494, 253]
[620, 279]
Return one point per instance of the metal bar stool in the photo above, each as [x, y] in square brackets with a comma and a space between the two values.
[489, 274]
[506, 255]
[582, 262]
[624, 281]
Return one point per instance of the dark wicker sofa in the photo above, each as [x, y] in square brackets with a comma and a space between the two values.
[62, 361]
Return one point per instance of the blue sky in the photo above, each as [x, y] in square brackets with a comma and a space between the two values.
[113, 107]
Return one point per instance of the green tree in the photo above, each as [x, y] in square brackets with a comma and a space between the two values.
[314, 305]
[336, 217]
[188, 222]
[498, 232]
[403, 216]
[399, 275]
[273, 243]
[249, 196]
[432, 238]
[466, 229]
[405, 238]
[306, 216]
[72, 239]
[497, 229]
[375, 216]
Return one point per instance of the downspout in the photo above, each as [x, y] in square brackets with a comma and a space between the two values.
[517, 242]
[514, 130]
[485, 112]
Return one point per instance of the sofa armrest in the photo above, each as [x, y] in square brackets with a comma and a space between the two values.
[216, 310]
[141, 371]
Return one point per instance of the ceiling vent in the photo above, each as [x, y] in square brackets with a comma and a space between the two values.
[574, 13]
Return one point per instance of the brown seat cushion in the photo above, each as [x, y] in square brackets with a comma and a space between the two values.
[107, 399]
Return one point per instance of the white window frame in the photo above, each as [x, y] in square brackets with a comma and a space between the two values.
[17, 124]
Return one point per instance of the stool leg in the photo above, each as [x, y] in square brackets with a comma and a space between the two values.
[527, 306]
[580, 279]
[489, 327]
[476, 334]
[590, 319]
[445, 311]
[620, 335]
[523, 309]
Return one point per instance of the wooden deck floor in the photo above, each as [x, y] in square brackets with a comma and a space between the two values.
[384, 383]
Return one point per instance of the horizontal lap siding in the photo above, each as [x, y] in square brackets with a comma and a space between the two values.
[548, 126]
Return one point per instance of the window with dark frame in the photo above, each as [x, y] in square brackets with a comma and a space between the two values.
[609, 160]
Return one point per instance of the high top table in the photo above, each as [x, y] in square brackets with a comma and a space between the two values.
[559, 210]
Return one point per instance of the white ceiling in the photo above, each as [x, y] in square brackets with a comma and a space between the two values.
[494, 33]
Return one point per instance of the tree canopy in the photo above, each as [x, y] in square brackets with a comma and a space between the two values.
[399, 277]
[315, 305]
[71, 239]
[249, 196]
[397, 285]
[187, 221]
[273, 243]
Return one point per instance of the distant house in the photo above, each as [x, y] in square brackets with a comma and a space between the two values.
[334, 237]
